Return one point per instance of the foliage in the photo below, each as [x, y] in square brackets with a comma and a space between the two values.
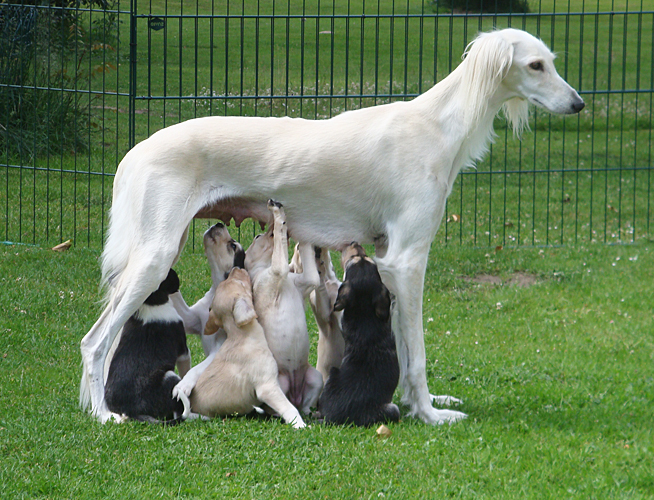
[41, 55]
[491, 6]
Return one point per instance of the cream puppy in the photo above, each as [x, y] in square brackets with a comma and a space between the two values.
[243, 373]
[330, 336]
[279, 301]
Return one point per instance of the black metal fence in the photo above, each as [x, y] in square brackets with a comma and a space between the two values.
[82, 81]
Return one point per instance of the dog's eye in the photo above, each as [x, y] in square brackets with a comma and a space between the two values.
[536, 66]
[232, 245]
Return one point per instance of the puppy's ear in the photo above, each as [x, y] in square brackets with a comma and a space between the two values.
[344, 296]
[213, 324]
[382, 304]
[243, 311]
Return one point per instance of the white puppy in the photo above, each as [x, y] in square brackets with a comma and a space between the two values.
[243, 373]
[279, 301]
[330, 336]
[223, 253]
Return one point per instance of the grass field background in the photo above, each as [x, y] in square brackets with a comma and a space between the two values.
[556, 378]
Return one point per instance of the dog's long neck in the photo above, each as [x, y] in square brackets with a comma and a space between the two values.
[467, 119]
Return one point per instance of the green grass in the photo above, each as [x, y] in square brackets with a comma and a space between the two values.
[556, 379]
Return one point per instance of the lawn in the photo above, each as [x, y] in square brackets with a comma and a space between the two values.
[555, 376]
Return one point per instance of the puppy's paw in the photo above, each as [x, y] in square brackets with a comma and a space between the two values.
[439, 417]
[119, 419]
[445, 400]
[272, 204]
[182, 387]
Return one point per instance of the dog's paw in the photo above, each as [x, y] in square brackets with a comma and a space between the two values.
[438, 417]
[118, 419]
[182, 387]
[272, 204]
[445, 400]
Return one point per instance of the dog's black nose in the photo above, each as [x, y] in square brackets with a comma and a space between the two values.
[578, 106]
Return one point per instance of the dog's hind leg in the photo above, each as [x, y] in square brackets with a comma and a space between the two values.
[273, 396]
[140, 278]
[403, 271]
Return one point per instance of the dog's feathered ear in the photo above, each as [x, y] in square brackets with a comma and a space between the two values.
[343, 297]
[488, 59]
[382, 304]
[213, 324]
[243, 311]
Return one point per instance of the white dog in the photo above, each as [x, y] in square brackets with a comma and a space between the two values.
[376, 175]
[331, 345]
[279, 301]
[223, 253]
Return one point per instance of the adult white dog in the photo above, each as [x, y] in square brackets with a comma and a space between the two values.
[377, 175]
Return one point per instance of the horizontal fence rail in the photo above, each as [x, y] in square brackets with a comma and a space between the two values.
[117, 72]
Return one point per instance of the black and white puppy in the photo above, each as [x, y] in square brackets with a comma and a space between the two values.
[141, 375]
[361, 390]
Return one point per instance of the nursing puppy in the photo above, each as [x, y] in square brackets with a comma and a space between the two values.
[361, 390]
[223, 253]
[279, 301]
[141, 375]
[330, 337]
[243, 373]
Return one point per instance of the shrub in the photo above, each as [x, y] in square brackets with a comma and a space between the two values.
[490, 6]
[41, 51]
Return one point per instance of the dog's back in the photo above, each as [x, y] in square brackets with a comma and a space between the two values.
[141, 375]
[361, 391]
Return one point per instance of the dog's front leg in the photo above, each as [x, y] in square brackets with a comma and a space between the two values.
[309, 279]
[279, 266]
[404, 273]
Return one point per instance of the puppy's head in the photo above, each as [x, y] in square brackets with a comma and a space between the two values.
[362, 289]
[352, 254]
[260, 250]
[222, 251]
[233, 298]
[167, 287]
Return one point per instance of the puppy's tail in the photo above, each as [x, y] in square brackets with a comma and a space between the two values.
[187, 405]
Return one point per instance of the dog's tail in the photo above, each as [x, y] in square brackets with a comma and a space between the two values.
[187, 405]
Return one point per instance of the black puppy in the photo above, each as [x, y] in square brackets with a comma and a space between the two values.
[141, 375]
[361, 391]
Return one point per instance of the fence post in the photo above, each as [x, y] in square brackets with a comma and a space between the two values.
[132, 73]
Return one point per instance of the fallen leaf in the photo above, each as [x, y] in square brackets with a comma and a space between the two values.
[383, 431]
[62, 247]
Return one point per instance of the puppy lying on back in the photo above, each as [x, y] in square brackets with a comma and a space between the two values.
[330, 338]
[361, 390]
[279, 300]
[141, 374]
[243, 373]
[223, 253]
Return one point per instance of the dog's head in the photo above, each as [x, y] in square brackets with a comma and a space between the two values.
[522, 68]
[259, 253]
[362, 289]
[167, 287]
[233, 299]
[222, 251]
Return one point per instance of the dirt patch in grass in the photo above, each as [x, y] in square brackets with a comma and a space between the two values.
[516, 279]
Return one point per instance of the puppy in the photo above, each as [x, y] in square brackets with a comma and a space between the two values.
[361, 390]
[141, 375]
[223, 253]
[279, 301]
[243, 373]
[330, 337]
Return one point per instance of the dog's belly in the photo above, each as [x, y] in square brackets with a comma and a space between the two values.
[307, 221]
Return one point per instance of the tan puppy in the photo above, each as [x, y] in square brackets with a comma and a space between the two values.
[243, 373]
[279, 300]
[330, 336]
